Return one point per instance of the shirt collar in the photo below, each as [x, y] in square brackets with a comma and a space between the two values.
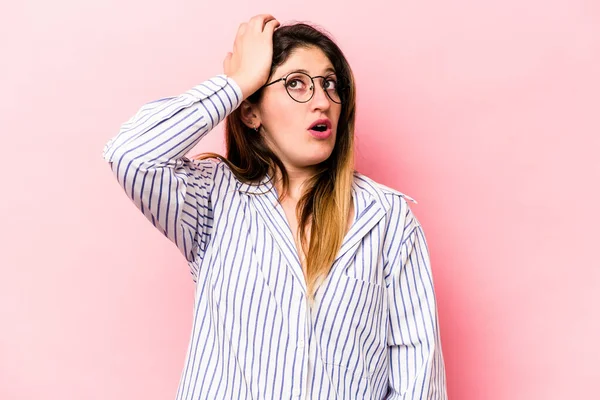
[362, 185]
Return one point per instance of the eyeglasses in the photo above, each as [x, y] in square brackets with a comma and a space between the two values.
[301, 86]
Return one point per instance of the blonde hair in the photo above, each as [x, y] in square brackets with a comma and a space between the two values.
[327, 201]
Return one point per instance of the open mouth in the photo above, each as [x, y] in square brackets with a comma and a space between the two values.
[319, 128]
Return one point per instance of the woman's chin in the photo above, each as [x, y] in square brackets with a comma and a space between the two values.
[309, 156]
[314, 159]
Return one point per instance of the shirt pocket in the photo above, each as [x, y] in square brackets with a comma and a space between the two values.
[352, 327]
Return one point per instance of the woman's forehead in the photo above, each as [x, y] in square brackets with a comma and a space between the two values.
[312, 60]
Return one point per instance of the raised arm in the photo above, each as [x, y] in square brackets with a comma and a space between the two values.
[148, 158]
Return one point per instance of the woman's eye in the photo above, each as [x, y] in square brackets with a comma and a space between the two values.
[330, 84]
[295, 84]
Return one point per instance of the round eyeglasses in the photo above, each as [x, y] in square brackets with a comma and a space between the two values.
[301, 86]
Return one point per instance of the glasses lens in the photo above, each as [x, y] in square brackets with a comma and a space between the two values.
[332, 87]
[299, 86]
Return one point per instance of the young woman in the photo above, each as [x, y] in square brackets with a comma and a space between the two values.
[312, 280]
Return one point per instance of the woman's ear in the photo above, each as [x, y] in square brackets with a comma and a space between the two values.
[250, 115]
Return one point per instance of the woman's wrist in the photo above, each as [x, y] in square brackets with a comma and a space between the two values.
[246, 87]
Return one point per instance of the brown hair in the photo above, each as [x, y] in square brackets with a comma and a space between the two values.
[327, 201]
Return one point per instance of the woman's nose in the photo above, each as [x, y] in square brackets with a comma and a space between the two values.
[320, 98]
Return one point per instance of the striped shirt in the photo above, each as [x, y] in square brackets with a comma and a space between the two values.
[372, 332]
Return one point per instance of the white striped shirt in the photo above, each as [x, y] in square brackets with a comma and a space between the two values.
[372, 332]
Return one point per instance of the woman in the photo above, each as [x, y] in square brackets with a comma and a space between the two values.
[312, 280]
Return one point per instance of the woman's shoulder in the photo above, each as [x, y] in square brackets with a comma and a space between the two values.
[224, 176]
[209, 162]
[368, 185]
[399, 214]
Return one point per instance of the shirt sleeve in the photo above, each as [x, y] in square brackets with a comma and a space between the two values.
[415, 355]
[147, 157]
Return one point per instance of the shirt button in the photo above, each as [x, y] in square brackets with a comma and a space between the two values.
[300, 344]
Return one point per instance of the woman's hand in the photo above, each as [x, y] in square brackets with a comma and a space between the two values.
[250, 63]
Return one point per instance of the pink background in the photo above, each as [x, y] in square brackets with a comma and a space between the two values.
[486, 112]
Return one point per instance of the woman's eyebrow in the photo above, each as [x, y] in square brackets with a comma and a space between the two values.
[329, 69]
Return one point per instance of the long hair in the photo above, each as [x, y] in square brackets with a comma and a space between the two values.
[327, 200]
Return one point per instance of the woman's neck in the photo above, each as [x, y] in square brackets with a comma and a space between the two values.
[297, 177]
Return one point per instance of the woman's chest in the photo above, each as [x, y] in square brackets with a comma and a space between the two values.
[253, 271]
[257, 235]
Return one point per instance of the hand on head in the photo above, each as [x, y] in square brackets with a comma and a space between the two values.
[250, 62]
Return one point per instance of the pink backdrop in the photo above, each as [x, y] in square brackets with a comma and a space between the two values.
[487, 112]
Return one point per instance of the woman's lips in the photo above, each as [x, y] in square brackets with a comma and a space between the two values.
[320, 135]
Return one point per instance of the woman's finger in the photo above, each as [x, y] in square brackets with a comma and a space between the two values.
[271, 25]
[227, 63]
[258, 21]
[241, 30]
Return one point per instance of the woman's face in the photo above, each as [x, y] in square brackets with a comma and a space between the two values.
[286, 123]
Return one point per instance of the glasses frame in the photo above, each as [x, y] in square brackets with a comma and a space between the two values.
[284, 79]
